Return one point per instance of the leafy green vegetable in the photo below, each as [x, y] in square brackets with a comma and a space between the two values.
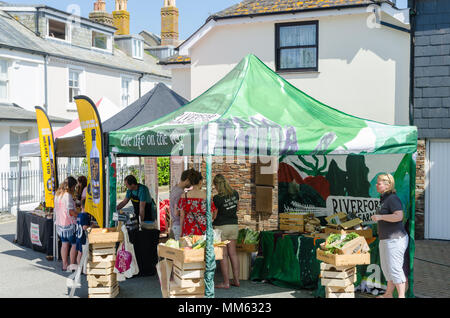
[172, 243]
[248, 236]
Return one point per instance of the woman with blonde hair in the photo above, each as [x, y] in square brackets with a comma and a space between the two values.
[392, 235]
[226, 220]
[66, 217]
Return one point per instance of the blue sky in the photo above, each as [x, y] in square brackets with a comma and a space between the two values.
[145, 14]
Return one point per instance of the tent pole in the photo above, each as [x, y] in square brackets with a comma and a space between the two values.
[210, 259]
[19, 185]
[107, 202]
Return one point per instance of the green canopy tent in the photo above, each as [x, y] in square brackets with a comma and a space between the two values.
[253, 111]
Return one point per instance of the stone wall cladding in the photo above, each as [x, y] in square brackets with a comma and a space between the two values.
[420, 190]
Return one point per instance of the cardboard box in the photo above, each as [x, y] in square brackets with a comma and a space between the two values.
[343, 260]
[187, 256]
[264, 179]
[264, 199]
[365, 233]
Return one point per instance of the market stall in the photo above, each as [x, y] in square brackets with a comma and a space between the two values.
[253, 112]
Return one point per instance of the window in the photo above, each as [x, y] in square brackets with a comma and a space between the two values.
[57, 29]
[126, 86]
[137, 49]
[101, 40]
[16, 136]
[297, 46]
[74, 84]
[3, 80]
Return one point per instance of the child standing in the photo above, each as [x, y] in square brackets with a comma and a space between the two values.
[83, 222]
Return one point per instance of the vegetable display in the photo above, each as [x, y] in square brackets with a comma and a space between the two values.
[248, 236]
[336, 241]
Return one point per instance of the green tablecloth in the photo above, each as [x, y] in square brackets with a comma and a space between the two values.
[289, 260]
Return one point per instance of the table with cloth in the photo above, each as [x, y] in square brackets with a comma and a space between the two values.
[289, 260]
[35, 232]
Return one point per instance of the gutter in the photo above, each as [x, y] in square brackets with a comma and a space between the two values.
[413, 13]
[31, 51]
[140, 84]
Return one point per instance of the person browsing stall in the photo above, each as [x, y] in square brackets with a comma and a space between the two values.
[392, 235]
[175, 194]
[83, 222]
[226, 220]
[140, 198]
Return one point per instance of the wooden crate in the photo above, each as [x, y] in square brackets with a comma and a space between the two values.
[338, 274]
[188, 283]
[100, 271]
[98, 236]
[293, 222]
[102, 258]
[249, 248]
[103, 251]
[95, 281]
[177, 291]
[189, 266]
[368, 234]
[104, 292]
[338, 282]
[189, 274]
[343, 260]
[339, 295]
[245, 261]
[187, 256]
[337, 289]
[91, 265]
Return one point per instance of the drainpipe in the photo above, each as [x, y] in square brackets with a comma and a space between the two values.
[140, 84]
[46, 82]
[38, 33]
[412, 13]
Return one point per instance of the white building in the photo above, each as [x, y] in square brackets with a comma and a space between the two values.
[349, 54]
[48, 56]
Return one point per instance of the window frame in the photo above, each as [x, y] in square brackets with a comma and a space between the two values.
[108, 41]
[68, 38]
[11, 132]
[278, 48]
[139, 49]
[7, 81]
[71, 105]
[129, 79]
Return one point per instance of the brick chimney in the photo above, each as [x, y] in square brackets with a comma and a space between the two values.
[169, 23]
[100, 15]
[121, 18]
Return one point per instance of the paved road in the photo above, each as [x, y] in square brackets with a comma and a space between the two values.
[27, 274]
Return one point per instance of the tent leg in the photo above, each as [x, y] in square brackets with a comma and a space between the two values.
[210, 258]
[107, 202]
[19, 186]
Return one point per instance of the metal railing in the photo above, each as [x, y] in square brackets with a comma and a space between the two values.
[32, 187]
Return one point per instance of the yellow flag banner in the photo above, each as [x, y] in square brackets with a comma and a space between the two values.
[93, 144]
[47, 148]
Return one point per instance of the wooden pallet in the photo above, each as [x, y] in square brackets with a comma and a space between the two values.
[104, 292]
[338, 282]
[95, 281]
[331, 267]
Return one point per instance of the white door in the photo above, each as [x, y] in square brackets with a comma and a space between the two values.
[438, 212]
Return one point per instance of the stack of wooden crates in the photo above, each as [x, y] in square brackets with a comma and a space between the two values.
[182, 272]
[338, 280]
[102, 281]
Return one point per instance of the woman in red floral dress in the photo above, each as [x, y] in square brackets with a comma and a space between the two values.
[192, 208]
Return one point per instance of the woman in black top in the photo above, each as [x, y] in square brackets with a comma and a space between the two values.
[392, 235]
[226, 220]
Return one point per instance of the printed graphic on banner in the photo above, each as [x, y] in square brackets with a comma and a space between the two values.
[47, 156]
[34, 234]
[92, 137]
[325, 185]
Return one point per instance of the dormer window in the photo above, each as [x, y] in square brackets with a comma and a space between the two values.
[58, 30]
[138, 49]
[101, 40]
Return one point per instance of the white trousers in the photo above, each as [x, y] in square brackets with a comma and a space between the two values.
[392, 252]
